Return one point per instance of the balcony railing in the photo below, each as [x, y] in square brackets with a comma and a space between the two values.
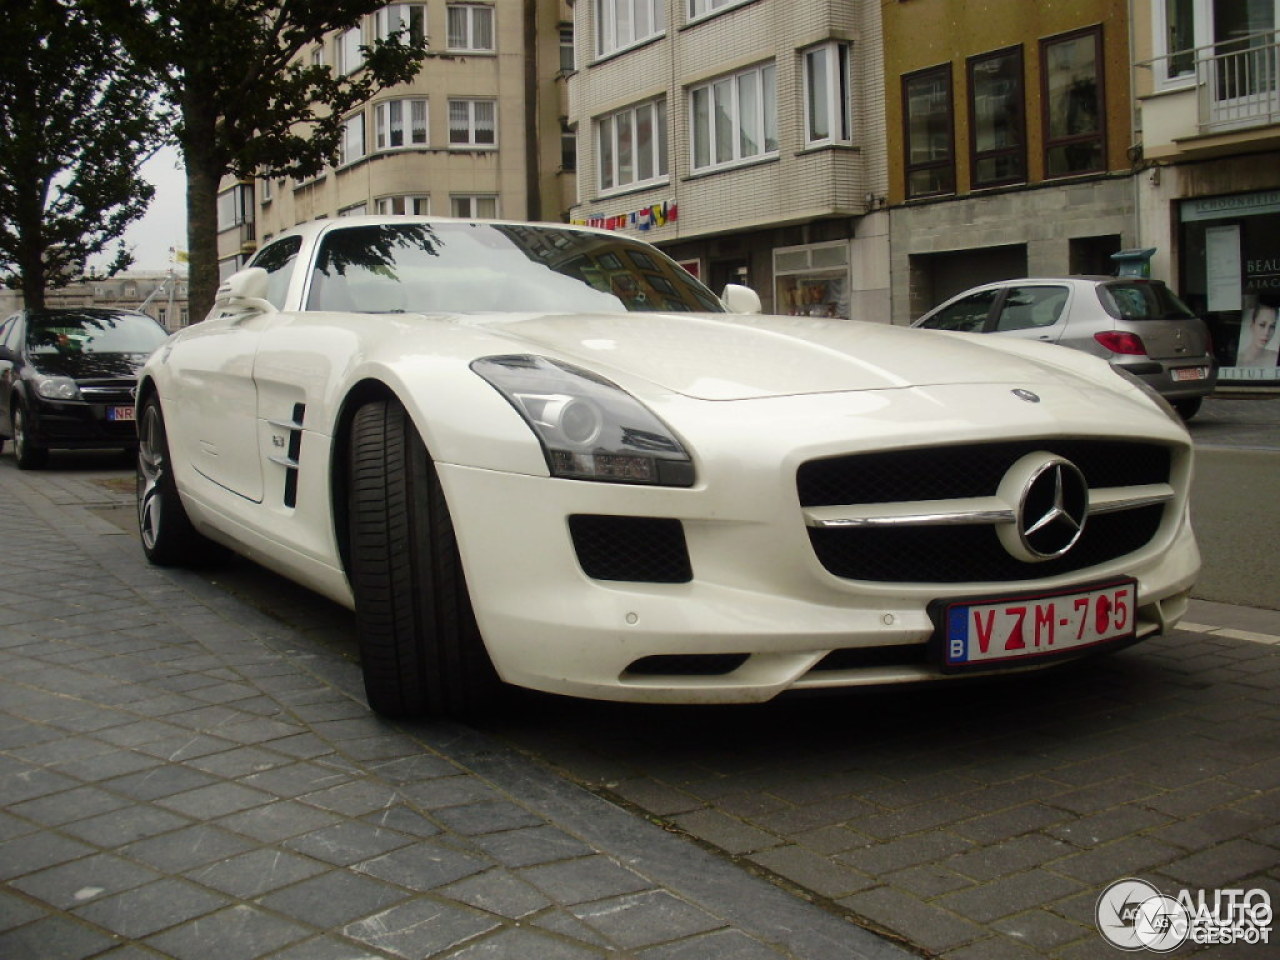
[1240, 88]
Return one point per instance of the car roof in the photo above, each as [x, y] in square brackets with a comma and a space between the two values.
[316, 228]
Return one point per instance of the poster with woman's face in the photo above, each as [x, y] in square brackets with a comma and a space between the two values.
[1259, 337]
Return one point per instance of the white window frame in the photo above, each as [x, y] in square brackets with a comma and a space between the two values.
[387, 20]
[473, 200]
[411, 205]
[473, 28]
[349, 55]
[701, 9]
[472, 127]
[412, 125]
[353, 146]
[836, 93]
[625, 23]
[763, 117]
[355, 210]
[621, 127]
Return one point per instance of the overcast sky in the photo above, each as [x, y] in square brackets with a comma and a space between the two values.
[165, 223]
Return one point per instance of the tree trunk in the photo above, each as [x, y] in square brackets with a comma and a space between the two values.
[204, 174]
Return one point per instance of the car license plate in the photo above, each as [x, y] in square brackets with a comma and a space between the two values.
[120, 413]
[1191, 373]
[985, 632]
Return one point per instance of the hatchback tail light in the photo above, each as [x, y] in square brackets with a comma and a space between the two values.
[1118, 342]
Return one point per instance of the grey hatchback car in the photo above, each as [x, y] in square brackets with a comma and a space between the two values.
[1139, 325]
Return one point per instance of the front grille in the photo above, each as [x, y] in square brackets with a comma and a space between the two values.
[108, 391]
[971, 552]
[943, 473]
[636, 549]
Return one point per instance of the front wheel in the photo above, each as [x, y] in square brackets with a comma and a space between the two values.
[29, 454]
[420, 649]
[168, 538]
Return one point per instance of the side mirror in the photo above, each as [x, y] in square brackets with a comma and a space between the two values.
[739, 299]
[6, 355]
[245, 288]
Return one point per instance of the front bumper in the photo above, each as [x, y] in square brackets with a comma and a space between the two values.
[758, 614]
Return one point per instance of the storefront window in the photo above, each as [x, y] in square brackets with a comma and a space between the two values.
[1231, 276]
[813, 281]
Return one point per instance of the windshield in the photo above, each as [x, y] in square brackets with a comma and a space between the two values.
[1137, 300]
[69, 333]
[463, 267]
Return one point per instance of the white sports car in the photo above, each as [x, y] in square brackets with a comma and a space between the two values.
[548, 455]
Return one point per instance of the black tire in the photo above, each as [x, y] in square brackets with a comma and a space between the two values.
[420, 649]
[30, 455]
[168, 538]
[1188, 408]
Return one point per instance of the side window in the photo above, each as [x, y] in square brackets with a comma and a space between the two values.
[968, 315]
[1027, 308]
[278, 260]
[12, 339]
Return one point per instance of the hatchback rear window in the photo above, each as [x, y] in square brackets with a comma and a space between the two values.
[1142, 301]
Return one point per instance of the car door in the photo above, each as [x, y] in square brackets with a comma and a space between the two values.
[216, 390]
[1032, 311]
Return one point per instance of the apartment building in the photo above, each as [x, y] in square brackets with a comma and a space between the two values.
[1207, 84]
[478, 133]
[1010, 142]
[162, 295]
[745, 138]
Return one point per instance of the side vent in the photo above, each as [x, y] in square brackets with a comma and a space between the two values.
[291, 459]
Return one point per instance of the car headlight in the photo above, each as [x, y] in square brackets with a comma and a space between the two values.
[57, 388]
[1165, 406]
[589, 427]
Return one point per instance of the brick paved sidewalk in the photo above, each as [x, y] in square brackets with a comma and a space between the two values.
[181, 776]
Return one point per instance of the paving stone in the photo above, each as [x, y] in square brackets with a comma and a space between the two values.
[1223, 865]
[1008, 856]
[721, 945]
[491, 817]
[1043, 930]
[420, 928]
[75, 804]
[499, 892]
[72, 884]
[333, 899]
[923, 924]
[240, 932]
[645, 919]
[215, 800]
[812, 871]
[1009, 895]
[533, 845]
[347, 842]
[33, 851]
[256, 872]
[279, 821]
[54, 936]
[142, 911]
[509, 943]
[424, 865]
[882, 858]
[126, 825]
[572, 882]
[1121, 858]
[728, 833]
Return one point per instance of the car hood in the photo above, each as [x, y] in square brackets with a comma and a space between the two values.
[736, 357]
[89, 366]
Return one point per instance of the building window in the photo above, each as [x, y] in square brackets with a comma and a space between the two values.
[350, 57]
[317, 56]
[412, 206]
[1071, 70]
[734, 118]
[623, 23]
[235, 206]
[473, 123]
[470, 27]
[704, 8]
[813, 280]
[351, 148]
[400, 123]
[567, 58]
[411, 17]
[997, 125]
[474, 206]
[568, 146]
[828, 113]
[929, 135]
[633, 146]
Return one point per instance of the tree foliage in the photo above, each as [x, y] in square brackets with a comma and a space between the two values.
[246, 103]
[76, 121]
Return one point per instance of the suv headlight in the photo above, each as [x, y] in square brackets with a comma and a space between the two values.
[57, 388]
[589, 427]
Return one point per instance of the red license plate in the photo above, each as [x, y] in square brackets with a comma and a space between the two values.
[120, 413]
[1191, 373]
[985, 632]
